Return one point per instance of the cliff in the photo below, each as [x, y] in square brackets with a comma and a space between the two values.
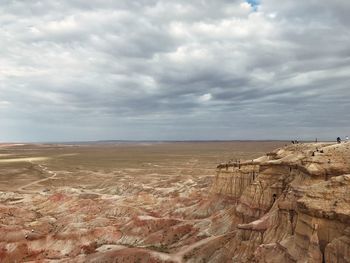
[292, 205]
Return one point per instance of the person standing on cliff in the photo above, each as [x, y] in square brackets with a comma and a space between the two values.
[338, 140]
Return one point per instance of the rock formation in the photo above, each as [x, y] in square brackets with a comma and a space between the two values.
[292, 205]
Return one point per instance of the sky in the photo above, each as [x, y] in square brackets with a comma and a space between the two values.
[76, 70]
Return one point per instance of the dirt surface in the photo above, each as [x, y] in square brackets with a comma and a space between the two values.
[126, 202]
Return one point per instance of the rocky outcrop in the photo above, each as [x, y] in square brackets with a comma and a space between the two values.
[292, 205]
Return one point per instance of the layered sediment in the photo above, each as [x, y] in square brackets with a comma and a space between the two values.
[292, 205]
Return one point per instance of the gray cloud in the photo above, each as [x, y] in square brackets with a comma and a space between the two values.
[154, 69]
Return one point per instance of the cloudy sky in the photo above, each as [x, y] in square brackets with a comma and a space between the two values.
[178, 70]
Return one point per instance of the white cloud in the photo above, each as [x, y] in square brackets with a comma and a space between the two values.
[205, 97]
[4, 104]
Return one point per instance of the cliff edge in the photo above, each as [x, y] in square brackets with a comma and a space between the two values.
[291, 205]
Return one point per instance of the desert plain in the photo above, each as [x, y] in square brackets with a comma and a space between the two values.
[112, 201]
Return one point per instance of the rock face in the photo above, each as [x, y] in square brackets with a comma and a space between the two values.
[292, 205]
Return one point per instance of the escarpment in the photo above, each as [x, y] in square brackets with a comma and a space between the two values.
[292, 205]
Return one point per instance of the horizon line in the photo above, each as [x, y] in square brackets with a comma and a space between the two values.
[160, 141]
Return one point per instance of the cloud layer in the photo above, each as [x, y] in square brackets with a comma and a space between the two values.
[156, 69]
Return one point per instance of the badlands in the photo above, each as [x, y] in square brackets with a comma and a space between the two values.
[175, 202]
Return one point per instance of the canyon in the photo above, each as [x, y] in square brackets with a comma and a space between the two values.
[175, 202]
